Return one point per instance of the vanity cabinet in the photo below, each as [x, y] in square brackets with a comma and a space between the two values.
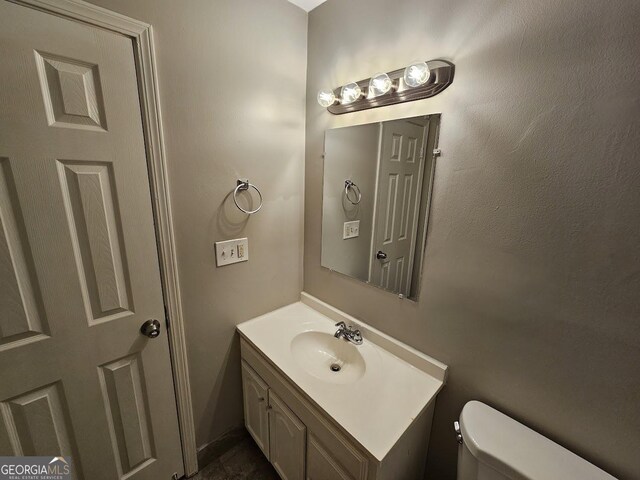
[292, 433]
[256, 414]
[287, 438]
[368, 420]
[322, 464]
[276, 430]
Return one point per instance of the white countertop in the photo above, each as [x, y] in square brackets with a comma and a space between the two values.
[378, 407]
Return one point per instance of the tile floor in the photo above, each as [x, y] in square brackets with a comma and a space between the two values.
[239, 459]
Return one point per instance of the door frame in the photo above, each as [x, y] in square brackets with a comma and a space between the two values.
[141, 34]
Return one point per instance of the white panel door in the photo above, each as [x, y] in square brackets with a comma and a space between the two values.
[255, 401]
[397, 203]
[287, 437]
[79, 269]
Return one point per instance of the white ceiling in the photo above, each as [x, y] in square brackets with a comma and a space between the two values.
[307, 5]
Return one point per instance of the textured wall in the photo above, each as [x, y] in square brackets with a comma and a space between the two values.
[232, 85]
[531, 291]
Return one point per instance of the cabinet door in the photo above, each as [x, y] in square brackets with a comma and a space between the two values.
[287, 437]
[256, 417]
[321, 465]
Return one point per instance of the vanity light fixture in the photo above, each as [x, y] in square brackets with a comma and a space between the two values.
[326, 97]
[416, 74]
[379, 84]
[350, 93]
[415, 82]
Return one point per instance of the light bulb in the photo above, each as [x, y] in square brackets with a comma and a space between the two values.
[379, 84]
[416, 74]
[350, 93]
[326, 98]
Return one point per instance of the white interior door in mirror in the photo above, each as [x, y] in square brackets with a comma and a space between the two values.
[399, 183]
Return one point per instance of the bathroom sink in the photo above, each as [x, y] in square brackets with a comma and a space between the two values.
[327, 358]
[379, 389]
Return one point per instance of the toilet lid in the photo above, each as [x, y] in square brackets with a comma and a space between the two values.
[518, 452]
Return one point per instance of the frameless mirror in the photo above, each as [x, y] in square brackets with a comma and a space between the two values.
[377, 187]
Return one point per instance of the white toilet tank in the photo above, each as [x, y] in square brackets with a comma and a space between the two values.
[496, 447]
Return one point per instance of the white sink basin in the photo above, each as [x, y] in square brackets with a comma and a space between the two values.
[327, 358]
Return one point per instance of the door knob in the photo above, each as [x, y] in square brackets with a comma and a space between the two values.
[381, 255]
[151, 328]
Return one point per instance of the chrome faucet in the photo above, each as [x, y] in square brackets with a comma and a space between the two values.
[348, 333]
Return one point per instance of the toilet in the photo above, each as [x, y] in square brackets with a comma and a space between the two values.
[493, 446]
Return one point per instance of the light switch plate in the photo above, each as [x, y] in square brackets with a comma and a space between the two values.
[232, 251]
[351, 229]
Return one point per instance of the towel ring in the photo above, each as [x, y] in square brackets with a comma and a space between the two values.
[348, 186]
[243, 186]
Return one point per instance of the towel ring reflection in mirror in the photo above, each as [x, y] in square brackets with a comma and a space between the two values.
[243, 186]
[350, 186]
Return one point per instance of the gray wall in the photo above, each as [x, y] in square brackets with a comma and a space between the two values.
[531, 291]
[232, 85]
[350, 153]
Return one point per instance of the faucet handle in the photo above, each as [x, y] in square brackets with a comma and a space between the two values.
[356, 337]
[341, 325]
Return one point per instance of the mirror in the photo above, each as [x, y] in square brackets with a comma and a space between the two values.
[376, 192]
